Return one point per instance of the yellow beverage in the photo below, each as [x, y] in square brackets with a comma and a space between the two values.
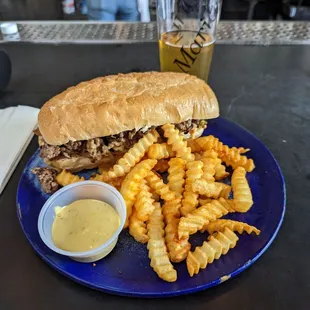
[186, 51]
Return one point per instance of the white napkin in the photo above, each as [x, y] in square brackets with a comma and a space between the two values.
[17, 124]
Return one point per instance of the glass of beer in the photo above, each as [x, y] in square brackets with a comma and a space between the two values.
[186, 30]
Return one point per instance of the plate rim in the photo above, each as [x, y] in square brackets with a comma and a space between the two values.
[126, 293]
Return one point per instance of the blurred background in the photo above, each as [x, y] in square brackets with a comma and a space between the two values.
[144, 10]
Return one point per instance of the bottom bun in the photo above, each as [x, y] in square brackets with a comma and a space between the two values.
[78, 163]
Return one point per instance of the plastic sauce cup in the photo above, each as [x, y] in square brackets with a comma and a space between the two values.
[68, 194]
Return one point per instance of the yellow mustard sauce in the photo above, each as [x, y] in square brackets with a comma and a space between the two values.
[84, 225]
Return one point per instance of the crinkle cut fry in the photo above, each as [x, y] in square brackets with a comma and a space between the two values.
[204, 201]
[231, 156]
[157, 184]
[144, 202]
[217, 245]
[137, 228]
[131, 185]
[177, 248]
[226, 190]
[159, 151]
[212, 143]
[190, 199]
[162, 166]
[179, 145]
[133, 155]
[208, 170]
[157, 248]
[171, 208]
[210, 157]
[239, 227]
[208, 189]
[176, 175]
[195, 147]
[203, 215]
[236, 160]
[213, 190]
[242, 191]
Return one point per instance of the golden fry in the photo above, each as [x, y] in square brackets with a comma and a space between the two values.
[239, 161]
[210, 157]
[208, 170]
[226, 190]
[189, 202]
[179, 145]
[210, 190]
[65, 178]
[195, 147]
[217, 245]
[155, 196]
[103, 177]
[198, 156]
[144, 203]
[204, 201]
[220, 172]
[177, 248]
[176, 175]
[172, 209]
[159, 186]
[228, 204]
[230, 156]
[133, 155]
[137, 228]
[157, 249]
[202, 216]
[241, 189]
[131, 185]
[162, 166]
[212, 143]
[160, 151]
[190, 199]
[240, 227]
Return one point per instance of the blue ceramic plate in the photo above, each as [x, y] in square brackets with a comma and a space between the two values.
[126, 271]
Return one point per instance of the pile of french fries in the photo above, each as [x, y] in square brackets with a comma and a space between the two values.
[165, 214]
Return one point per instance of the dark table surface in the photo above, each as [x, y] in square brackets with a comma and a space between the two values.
[265, 89]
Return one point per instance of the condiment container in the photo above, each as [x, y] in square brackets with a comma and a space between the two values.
[67, 195]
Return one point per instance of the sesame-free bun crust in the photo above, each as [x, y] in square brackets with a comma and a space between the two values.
[109, 105]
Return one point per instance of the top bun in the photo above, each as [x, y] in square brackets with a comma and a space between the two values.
[109, 105]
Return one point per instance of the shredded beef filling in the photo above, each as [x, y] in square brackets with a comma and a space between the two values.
[124, 140]
[96, 148]
[185, 126]
[72, 147]
[49, 151]
[47, 179]
[99, 147]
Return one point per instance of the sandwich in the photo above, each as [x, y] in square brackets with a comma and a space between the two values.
[96, 121]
